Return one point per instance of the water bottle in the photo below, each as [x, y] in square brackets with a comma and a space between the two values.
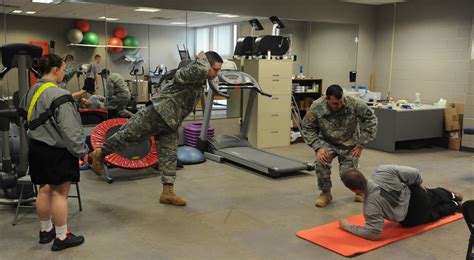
[301, 72]
[417, 101]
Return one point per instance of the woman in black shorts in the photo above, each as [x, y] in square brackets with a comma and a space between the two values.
[56, 142]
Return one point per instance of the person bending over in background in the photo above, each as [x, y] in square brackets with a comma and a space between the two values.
[171, 106]
[396, 193]
[337, 126]
[56, 142]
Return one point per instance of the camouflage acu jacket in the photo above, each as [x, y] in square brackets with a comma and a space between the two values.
[175, 101]
[117, 87]
[354, 124]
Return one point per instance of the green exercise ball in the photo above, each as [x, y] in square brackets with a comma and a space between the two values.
[131, 41]
[91, 38]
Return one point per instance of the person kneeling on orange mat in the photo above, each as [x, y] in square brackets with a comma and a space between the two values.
[396, 193]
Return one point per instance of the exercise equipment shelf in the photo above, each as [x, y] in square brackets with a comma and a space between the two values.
[105, 46]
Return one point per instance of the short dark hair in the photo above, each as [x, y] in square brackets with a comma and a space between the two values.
[213, 58]
[334, 91]
[97, 56]
[105, 72]
[68, 57]
[89, 85]
[48, 62]
[354, 179]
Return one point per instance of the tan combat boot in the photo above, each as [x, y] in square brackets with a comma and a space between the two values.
[169, 197]
[324, 198]
[97, 158]
[359, 197]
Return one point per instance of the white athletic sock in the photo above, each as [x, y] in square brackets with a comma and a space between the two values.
[61, 232]
[46, 225]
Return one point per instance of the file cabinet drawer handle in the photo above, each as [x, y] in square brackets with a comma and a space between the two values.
[274, 115]
[275, 80]
[276, 75]
[274, 132]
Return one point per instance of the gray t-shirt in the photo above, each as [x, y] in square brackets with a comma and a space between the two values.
[96, 101]
[64, 129]
[387, 197]
[93, 70]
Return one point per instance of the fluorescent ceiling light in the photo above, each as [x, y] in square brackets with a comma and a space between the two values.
[30, 12]
[17, 11]
[178, 23]
[47, 1]
[374, 2]
[146, 9]
[228, 15]
[108, 18]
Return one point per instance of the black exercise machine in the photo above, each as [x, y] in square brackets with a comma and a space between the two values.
[20, 56]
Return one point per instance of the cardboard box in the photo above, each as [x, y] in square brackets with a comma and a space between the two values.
[451, 119]
[459, 108]
[454, 140]
[454, 144]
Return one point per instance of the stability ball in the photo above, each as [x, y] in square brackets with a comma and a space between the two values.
[190, 155]
[115, 42]
[131, 41]
[120, 32]
[82, 25]
[91, 38]
[75, 36]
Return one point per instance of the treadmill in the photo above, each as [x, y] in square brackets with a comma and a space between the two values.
[236, 148]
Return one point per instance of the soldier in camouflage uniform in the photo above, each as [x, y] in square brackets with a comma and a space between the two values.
[118, 94]
[170, 108]
[69, 71]
[337, 126]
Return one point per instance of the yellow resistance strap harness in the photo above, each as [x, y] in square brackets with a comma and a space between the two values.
[45, 116]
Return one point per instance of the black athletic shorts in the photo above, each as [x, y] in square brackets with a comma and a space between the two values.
[51, 165]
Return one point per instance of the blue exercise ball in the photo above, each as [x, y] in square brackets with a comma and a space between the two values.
[84, 166]
[190, 155]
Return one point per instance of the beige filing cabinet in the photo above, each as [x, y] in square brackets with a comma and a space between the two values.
[271, 117]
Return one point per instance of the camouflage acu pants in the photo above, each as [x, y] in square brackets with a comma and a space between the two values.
[323, 170]
[117, 102]
[146, 123]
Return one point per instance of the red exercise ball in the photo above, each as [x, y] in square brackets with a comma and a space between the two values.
[82, 25]
[115, 42]
[120, 32]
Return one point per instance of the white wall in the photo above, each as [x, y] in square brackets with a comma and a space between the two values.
[468, 140]
[431, 49]
[332, 53]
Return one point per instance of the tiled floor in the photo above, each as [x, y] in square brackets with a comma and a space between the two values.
[234, 213]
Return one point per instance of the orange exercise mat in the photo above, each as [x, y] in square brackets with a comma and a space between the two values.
[335, 239]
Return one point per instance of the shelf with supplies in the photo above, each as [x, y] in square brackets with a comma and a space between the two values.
[304, 92]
